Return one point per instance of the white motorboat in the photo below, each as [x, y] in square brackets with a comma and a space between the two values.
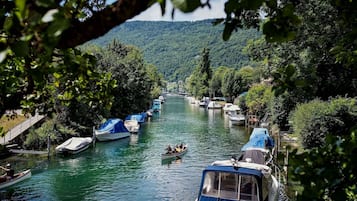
[236, 118]
[228, 107]
[214, 105]
[74, 145]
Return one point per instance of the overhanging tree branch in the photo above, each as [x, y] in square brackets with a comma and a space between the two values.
[102, 21]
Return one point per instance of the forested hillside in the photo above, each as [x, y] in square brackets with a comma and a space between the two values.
[174, 47]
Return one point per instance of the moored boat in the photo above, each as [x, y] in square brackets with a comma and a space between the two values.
[74, 145]
[162, 99]
[140, 117]
[259, 138]
[214, 105]
[233, 180]
[17, 178]
[248, 178]
[156, 105]
[236, 118]
[112, 129]
[176, 152]
[132, 125]
[228, 107]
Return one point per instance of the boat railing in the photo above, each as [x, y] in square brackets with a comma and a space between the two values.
[275, 171]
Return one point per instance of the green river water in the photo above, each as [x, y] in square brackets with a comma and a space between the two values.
[131, 168]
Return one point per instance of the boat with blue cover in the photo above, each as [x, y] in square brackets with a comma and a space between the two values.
[112, 129]
[140, 117]
[156, 105]
[259, 138]
[232, 180]
[250, 177]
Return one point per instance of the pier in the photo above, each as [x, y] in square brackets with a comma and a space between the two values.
[19, 129]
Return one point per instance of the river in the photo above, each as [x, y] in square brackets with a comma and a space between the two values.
[131, 168]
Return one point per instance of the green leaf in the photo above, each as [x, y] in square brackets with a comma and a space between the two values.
[46, 3]
[290, 70]
[20, 5]
[57, 27]
[57, 75]
[186, 6]
[3, 55]
[8, 23]
[21, 48]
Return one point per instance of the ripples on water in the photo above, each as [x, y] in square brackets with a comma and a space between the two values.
[131, 168]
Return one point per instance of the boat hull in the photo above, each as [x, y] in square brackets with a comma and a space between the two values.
[236, 119]
[112, 136]
[18, 178]
[237, 122]
[174, 155]
[65, 151]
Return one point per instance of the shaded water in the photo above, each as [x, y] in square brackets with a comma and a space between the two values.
[131, 168]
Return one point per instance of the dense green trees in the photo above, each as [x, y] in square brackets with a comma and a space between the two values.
[259, 98]
[136, 81]
[198, 82]
[318, 61]
[129, 86]
[175, 49]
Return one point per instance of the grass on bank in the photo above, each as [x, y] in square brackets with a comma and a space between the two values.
[8, 123]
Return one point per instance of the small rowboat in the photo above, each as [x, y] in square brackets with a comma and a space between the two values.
[17, 178]
[175, 154]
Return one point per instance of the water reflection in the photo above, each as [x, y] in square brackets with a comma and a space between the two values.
[134, 139]
[131, 168]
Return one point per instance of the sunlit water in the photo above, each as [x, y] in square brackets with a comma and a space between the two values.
[131, 168]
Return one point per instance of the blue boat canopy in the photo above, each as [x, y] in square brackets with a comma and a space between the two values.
[114, 125]
[259, 138]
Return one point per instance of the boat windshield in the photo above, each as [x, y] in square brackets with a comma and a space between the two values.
[231, 186]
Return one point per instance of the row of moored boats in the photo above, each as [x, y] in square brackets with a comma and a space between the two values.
[234, 112]
[111, 129]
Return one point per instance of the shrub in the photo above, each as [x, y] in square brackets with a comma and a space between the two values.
[314, 120]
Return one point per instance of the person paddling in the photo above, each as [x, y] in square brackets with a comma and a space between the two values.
[9, 172]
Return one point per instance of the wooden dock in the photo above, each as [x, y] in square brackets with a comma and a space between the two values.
[19, 129]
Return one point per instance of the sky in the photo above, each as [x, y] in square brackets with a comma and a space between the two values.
[154, 13]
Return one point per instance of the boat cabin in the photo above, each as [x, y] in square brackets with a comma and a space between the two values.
[226, 182]
[156, 105]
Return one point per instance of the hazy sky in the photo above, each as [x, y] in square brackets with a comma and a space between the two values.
[154, 13]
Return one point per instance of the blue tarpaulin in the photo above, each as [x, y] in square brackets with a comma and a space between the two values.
[114, 125]
[259, 139]
[138, 117]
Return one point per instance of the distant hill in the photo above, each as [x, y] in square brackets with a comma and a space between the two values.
[175, 47]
